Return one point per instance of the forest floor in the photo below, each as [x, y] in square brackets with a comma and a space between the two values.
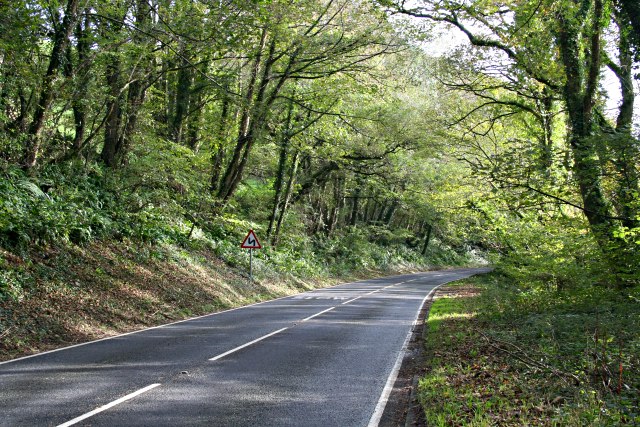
[64, 295]
[495, 355]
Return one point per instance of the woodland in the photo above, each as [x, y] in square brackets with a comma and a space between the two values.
[355, 138]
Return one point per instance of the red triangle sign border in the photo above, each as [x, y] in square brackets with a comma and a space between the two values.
[251, 241]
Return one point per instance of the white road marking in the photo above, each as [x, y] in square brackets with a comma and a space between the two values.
[317, 314]
[374, 421]
[351, 300]
[109, 405]
[226, 353]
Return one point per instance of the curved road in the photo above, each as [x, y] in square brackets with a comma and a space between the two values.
[321, 358]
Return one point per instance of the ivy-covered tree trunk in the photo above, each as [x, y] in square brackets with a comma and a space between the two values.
[355, 206]
[580, 98]
[219, 145]
[625, 148]
[278, 185]
[338, 204]
[427, 239]
[280, 174]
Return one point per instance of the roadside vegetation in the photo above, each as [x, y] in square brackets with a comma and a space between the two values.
[502, 352]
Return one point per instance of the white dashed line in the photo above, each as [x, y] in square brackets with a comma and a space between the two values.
[108, 405]
[317, 314]
[226, 353]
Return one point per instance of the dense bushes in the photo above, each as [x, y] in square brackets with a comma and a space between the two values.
[52, 208]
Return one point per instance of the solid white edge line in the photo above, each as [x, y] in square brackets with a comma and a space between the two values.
[233, 350]
[182, 321]
[108, 405]
[317, 314]
[352, 300]
[393, 376]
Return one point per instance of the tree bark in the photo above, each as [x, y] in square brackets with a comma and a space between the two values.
[183, 99]
[579, 94]
[282, 163]
[338, 204]
[355, 206]
[219, 149]
[113, 122]
[277, 187]
[287, 197]
[427, 239]
[60, 43]
[624, 145]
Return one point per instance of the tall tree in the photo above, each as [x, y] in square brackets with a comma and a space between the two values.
[329, 43]
[62, 32]
[572, 70]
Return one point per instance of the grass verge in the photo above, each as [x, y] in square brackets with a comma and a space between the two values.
[497, 355]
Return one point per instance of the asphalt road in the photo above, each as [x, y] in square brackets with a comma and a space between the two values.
[321, 358]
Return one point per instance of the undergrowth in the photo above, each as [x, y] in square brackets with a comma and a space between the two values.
[504, 355]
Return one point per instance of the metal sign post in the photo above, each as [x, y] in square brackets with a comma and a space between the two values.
[251, 242]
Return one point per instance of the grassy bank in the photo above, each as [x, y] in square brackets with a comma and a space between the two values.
[500, 355]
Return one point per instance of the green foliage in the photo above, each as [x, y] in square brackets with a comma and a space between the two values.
[71, 209]
[14, 282]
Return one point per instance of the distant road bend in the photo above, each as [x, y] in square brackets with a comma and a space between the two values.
[321, 358]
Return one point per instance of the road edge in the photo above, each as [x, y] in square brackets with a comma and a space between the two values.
[393, 402]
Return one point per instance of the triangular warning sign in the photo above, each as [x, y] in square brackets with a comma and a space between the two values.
[251, 241]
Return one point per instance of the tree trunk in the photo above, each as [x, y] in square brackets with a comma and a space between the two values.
[233, 171]
[61, 40]
[219, 150]
[625, 146]
[195, 122]
[388, 217]
[579, 92]
[338, 204]
[355, 207]
[287, 197]
[183, 100]
[546, 136]
[277, 187]
[427, 239]
[282, 163]
[632, 9]
[113, 122]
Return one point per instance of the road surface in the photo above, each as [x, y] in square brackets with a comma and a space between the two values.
[321, 358]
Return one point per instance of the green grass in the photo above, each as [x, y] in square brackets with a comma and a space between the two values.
[499, 355]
